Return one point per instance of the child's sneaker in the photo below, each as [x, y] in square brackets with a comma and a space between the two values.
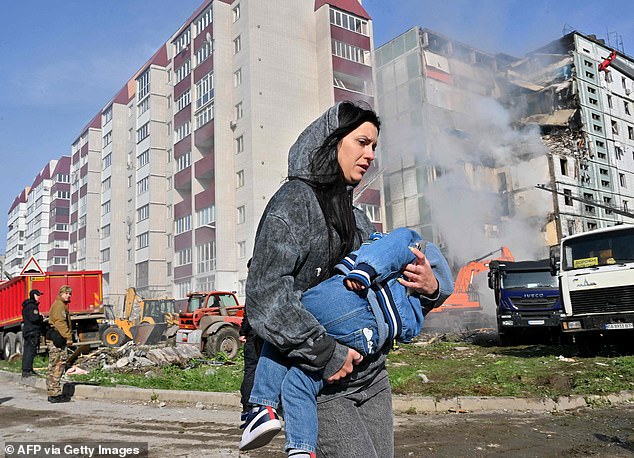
[261, 425]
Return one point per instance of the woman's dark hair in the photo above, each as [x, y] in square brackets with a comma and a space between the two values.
[333, 193]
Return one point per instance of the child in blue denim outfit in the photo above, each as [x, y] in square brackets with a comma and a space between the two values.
[364, 307]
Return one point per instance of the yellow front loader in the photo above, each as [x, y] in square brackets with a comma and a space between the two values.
[146, 321]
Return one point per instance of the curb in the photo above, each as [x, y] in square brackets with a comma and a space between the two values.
[400, 403]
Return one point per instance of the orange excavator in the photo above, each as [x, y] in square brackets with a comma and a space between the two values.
[463, 308]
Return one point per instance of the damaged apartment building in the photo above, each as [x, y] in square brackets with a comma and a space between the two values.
[481, 150]
[454, 165]
[579, 91]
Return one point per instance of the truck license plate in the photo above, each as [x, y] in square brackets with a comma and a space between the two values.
[619, 326]
[535, 322]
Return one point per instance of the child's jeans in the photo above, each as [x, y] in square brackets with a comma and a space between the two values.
[298, 390]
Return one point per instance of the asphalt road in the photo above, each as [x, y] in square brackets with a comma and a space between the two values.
[184, 430]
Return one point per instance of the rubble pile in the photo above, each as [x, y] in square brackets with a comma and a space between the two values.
[133, 357]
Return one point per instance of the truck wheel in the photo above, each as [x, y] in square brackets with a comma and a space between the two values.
[113, 337]
[588, 345]
[19, 343]
[225, 340]
[9, 345]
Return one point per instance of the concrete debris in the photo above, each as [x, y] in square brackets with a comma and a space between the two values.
[133, 357]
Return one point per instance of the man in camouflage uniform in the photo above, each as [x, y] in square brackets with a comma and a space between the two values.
[59, 320]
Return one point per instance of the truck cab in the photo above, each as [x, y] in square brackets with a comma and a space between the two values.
[526, 296]
[211, 321]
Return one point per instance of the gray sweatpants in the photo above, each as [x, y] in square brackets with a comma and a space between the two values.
[357, 425]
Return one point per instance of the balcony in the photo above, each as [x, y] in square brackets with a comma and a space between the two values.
[204, 168]
[204, 137]
[183, 180]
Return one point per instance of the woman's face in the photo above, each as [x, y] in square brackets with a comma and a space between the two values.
[356, 152]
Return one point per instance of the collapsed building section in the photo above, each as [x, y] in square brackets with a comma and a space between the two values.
[578, 91]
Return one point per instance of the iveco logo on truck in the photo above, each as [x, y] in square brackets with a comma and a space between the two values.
[532, 295]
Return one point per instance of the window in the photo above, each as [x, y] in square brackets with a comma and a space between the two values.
[240, 144]
[182, 41]
[618, 151]
[183, 161]
[183, 71]
[182, 131]
[143, 158]
[183, 224]
[239, 111]
[372, 211]
[626, 107]
[184, 100]
[105, 185]
[105, 231]
[350, 52]
[106, 116]
[596, 117]
[597, 128]
[568, 197]
[105, 208]
[242, 214]
[237, 44]
[143, 106]
[590, 75]
[142, 240]
[105, 255]
[242, 249]
[593, 101]
[347, 21]
[184, 257]
[622, 180]
[143, 132]
[587, 63]
[236, 12]
[204, 52]
[237, 77]
[106, 161]
[610, 101]
[239, 178]
[205, 115]
[608, 202]
[615, 127]
[592, 90]
[206, 216]
[563, 164]
[142, 186]
[182, 288]
[66, 194]
[143, 213]
[206, 256]
[630, 132]
[143, 85]
[203, 21]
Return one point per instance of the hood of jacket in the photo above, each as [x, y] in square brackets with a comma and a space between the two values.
[303, 151]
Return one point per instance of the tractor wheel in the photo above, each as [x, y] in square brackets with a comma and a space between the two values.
[113, 337]
[226, 340]
[9, 345]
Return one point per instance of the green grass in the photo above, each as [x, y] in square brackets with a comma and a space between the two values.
[460, 369]
[451, 368]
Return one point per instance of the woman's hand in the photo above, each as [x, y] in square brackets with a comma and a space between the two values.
[353, 358]
[419, 276]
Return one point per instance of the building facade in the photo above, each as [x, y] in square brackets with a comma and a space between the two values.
[585, 111]
[169, 180]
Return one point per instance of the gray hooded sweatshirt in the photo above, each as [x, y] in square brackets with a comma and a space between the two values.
[291, 251]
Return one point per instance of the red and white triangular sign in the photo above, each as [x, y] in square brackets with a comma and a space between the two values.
[32, 268]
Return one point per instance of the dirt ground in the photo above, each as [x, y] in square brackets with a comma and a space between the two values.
[187, 430]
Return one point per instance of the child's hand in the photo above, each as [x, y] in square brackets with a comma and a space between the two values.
[354, 285]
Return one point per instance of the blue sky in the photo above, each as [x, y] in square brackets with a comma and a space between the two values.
[63, 60]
